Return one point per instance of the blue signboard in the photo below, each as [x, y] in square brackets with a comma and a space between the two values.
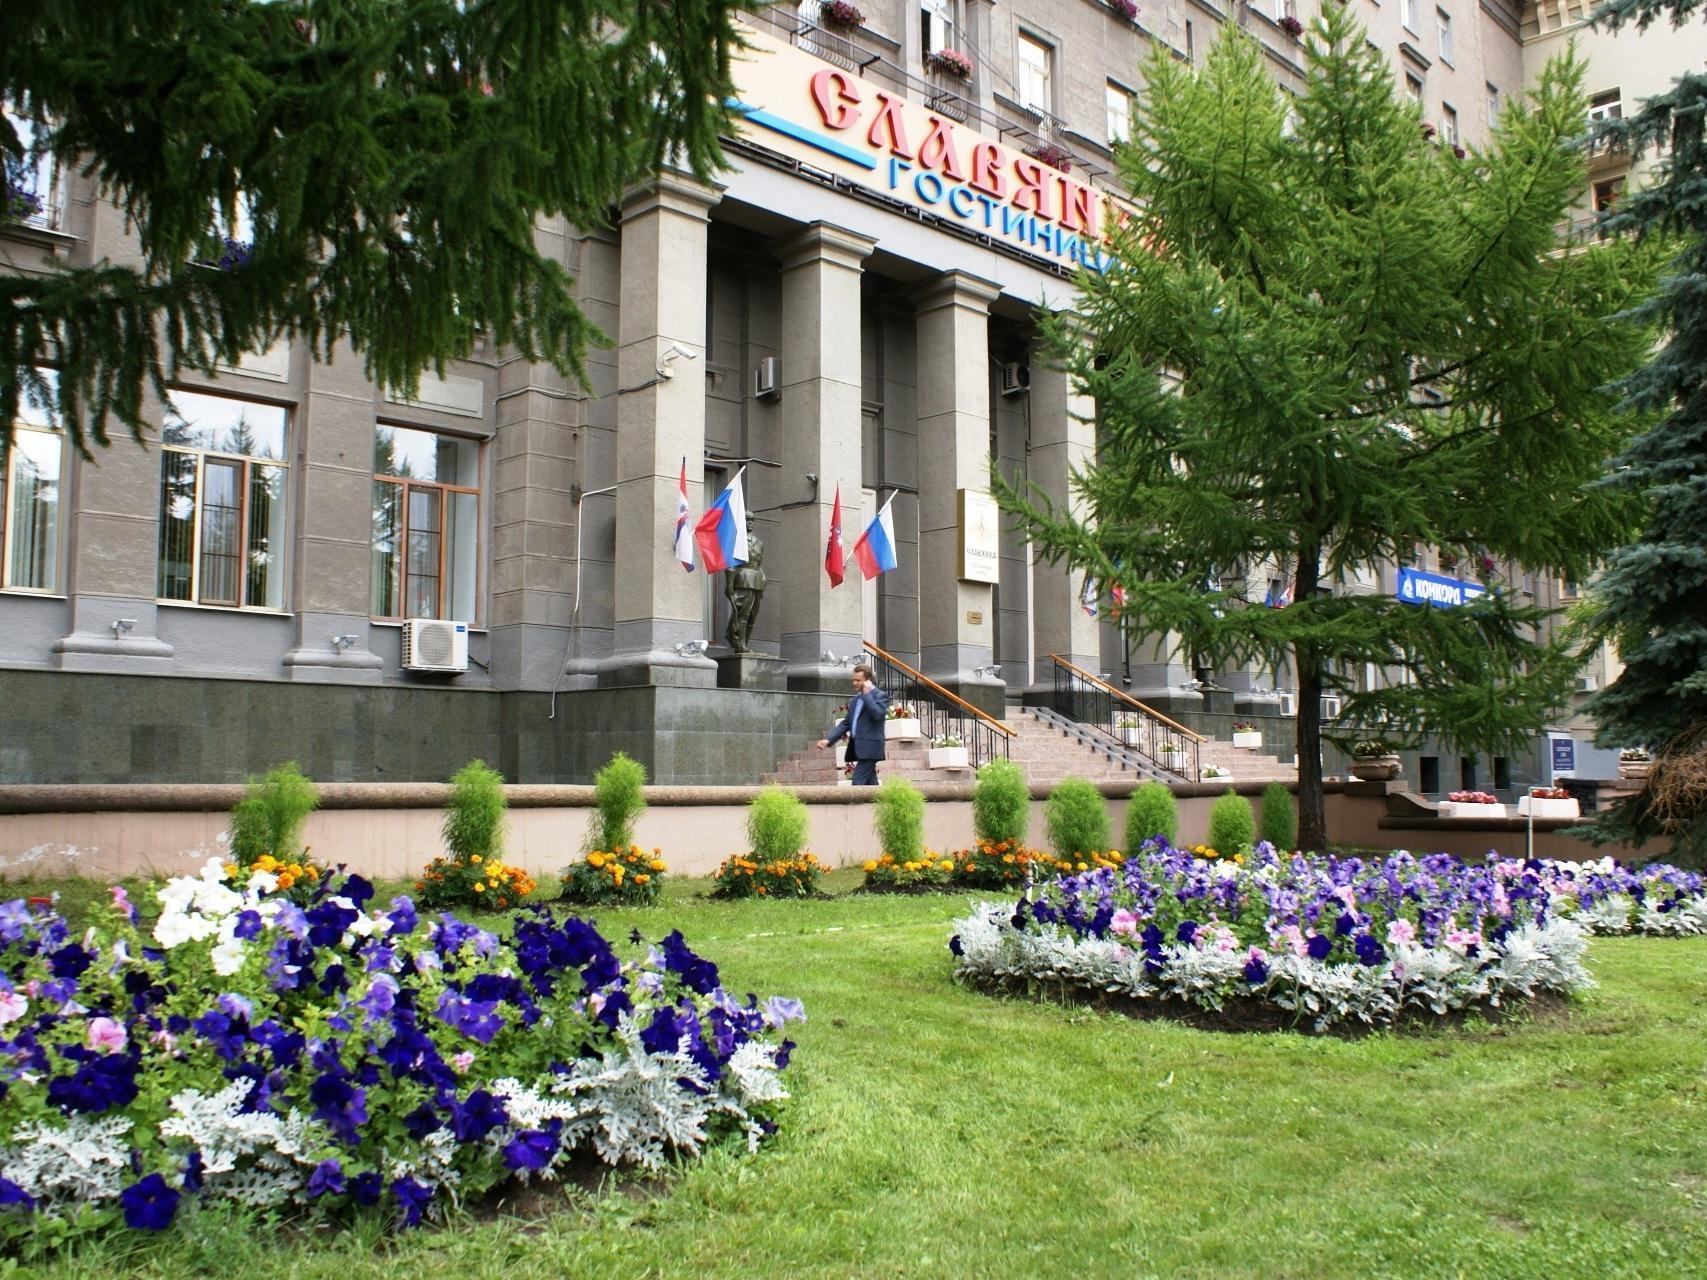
[1417, 587]
[1564, 755]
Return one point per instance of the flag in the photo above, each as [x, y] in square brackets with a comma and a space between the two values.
[875, 549]
[1117, 594]
[722, 530]
[684, 527]
[1279, 594]
[1088, 597]
[835, 555]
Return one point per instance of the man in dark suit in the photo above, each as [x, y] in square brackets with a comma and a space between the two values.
[863, 727]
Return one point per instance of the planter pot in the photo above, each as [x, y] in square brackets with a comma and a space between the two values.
[1375, 768]
[1171, 759]
[947, 758]
[1129, 736]
[1248, 739]
[902, 730]
[1542, 808]
[1635, 770]
[1458, 809]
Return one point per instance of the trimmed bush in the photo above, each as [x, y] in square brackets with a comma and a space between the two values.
[474, 815]
[1279, 821]
[777, 824]
[1076, 817]
[472, 873]
[1001, 803]
[1232, 824]
[269, 817]
[898, 813]
[617, 793]
[1151, 812]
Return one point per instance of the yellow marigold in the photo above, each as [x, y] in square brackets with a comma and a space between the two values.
[286, 880]
[657, 864]
[947, 864]
[616, 872]
[231, 868]
[869, 866]
[266, 862]
[640, 877]
[474, 859]
[1083, 867]
[311, 871]
[480, 886]
[595, 860]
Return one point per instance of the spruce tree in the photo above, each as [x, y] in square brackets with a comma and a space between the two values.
[391, 156]
[1652, 597]
[1329, 339]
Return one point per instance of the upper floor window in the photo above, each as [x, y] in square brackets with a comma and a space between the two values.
[222, 502]
[30, 492]
[1493, 105]
[1445, 20]
[426, 525]
[1608, 105]
[936, 26]
[1032, 72]
[1119, 113]
[1408, 14]
[1449, 125]
[1413, 89]
[32, 184]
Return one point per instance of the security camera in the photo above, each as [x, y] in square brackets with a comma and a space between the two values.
[675, 351]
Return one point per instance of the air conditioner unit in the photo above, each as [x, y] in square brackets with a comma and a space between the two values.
[767, 379]
[1330, 707]
[431, 645]
[1288, 704]
[1016, 378]
[1587, 684]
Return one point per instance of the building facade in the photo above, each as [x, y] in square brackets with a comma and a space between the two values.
[848, 309]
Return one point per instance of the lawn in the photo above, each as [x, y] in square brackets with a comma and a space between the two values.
[938, 1132]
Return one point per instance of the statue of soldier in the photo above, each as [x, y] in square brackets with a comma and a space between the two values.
[744, 586]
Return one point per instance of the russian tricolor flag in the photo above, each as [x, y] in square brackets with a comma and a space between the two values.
[875, 549]
[722, 531]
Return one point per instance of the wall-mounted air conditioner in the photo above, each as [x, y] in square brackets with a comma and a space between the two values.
[1587, 684]
[1288, 704]
[1330, 707]
[1016, 378]
[767, 379]
[431, 645]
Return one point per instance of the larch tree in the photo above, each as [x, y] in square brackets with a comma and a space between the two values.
[327, 170]
[1330, 338]
[1651, 599]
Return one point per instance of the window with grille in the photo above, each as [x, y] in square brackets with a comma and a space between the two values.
[426, 525]
[222, 502]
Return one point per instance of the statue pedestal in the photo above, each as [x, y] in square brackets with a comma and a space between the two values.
[755, 671]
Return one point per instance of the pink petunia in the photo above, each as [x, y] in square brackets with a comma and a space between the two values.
[105, 1035]
[1124, 923]
[12, 1007]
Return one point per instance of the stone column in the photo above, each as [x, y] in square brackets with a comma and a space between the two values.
[821, 424]
[1063, 440]
[333, 554]
[955, 621]
[660, 420]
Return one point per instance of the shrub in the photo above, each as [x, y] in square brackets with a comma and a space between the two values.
[1001, 804]
[1151, 812]
[472, 873]
[1279, 821]
[745, 877]
[1232, 824]
[269, 817]
[615, 876]
[1076, 818]
[899, 816]
[777, 825]
[617, 793]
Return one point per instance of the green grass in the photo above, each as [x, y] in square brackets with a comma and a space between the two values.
[938, 1132]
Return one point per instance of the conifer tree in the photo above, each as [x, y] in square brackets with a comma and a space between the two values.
[1652, 597]
[1329, 339]
[390, 156]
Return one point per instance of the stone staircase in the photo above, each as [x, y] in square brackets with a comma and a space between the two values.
[1048, 747]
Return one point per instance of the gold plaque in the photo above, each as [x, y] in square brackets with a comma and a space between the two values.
[974, 619]
[979, 536]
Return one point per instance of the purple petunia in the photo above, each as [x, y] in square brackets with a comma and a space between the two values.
[532, 1149]
[149, 1205]
[327, 1179]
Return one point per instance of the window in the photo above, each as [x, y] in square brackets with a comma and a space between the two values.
[1606, 106]
[1408, 14]
[1413, 89]
[426, 525]
[32, 190]
[1190, 44]
[222, 502]
[1032, 69]
[30, 476]
[1607, 193]
[1119, 113]
[1493, 105]
[1445, 20]
[1285, 9]
[1449, 125]
[936, 25]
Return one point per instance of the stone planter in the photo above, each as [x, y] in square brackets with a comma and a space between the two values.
[1375, 768]
[1459, 809]
[901, 730]
[1129, 734]
[1248, 739]
[947, 758]
[1171, 759]
[1635, 770]
[1545, 808]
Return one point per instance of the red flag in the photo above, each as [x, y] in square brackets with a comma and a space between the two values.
[833, 550]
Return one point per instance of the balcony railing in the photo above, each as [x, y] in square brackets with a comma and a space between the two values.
[941, 713]
[1092, 701]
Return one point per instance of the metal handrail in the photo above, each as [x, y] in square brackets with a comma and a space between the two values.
[1093, 702]
[941, 713]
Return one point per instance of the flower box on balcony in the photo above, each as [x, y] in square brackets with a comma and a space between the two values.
[841, 14]
[1053, 156]
[949, 62]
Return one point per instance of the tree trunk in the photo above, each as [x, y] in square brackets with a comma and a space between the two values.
[1307, 659]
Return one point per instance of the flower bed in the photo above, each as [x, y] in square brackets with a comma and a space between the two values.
[1327, 942]
[340, 1056]
[987, 865]
[1608, 897]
